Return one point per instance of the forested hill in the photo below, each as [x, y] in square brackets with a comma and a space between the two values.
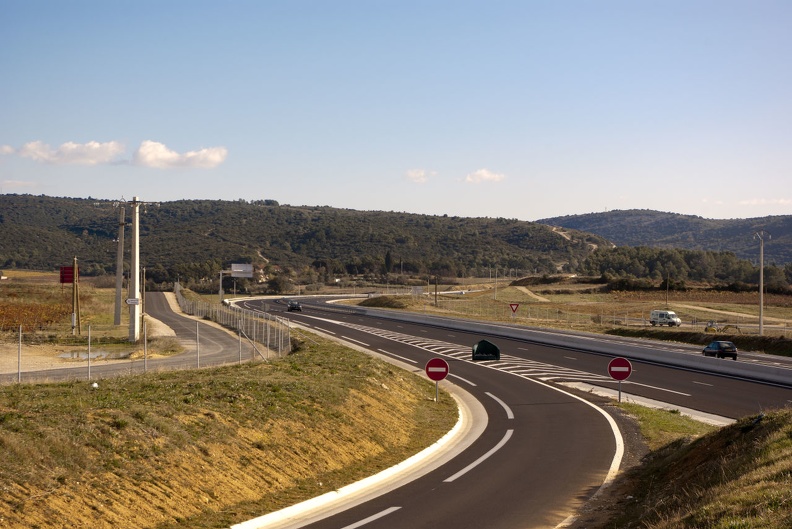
[641, 227]
[197, 237]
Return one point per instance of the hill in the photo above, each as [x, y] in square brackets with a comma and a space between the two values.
[641, 227]
[195, 238]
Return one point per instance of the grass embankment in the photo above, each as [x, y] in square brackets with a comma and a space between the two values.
[738, 476]
[208, 448]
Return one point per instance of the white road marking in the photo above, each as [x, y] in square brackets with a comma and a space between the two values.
[463, 380]
[397, 356]
[480, 460]
[702, 383]
[509, 412]
[356, 341]
[371, 518]
[324, 330]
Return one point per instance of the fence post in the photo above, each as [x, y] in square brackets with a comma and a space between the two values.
[19, 357]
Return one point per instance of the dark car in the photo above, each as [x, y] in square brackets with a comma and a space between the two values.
[294, 305]
[721, 349]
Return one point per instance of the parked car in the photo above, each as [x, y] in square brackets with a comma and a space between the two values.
[294, 305]
[721, 349]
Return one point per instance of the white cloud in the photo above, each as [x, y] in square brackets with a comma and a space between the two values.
[419, 176]
[155, 154]
[91, 153]
[484, 175]
[766, 202]
[7, 149]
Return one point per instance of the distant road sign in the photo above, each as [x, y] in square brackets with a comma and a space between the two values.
[436, 369]
[133, 301]
[514, 307]
[67, 274]
[241, 270]
[619, 369]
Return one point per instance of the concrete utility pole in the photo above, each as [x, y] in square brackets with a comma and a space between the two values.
[119, 267]
[134, 275]
[761, 236]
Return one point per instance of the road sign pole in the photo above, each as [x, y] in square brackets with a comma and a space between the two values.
[619, 391]
[436, 369]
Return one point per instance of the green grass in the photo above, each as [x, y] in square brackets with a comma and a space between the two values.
[661, 427]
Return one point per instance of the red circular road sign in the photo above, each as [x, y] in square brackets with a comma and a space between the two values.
[436, 369]
[619, 368]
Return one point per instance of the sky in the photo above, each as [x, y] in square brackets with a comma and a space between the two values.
[495, 108]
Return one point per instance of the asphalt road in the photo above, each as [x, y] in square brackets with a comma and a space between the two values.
[543, 452]
[555, 450]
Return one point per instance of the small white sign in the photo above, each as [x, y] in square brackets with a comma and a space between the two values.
[133, 301]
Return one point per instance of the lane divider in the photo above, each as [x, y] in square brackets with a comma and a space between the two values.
[480, 460]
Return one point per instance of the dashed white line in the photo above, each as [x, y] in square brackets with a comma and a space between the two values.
[397, 356]
[702, 383]
[371, 518]
[324, 330]
[356, 341]
[509, 412]
[480, 460]
[463, 380]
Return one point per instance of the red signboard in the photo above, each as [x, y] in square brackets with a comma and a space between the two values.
[619, 369]
[67, 274]
[436, 369]
[514, 307]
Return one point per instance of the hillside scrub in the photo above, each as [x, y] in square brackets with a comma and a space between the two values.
[737, 476]
[210, 447]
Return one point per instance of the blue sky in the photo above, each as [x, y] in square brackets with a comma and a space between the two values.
[515, 109]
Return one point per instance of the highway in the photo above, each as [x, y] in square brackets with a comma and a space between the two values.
[542, 450]
[548, 449]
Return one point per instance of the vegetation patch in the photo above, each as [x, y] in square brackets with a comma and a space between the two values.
[736, 476]
[208, 448]
[776, 345]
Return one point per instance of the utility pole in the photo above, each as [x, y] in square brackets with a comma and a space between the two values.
[134, 274]
[76, 326]
[761, 236]
[119, 267]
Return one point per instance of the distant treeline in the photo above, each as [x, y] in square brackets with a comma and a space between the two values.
[642, 267]
[290, 247]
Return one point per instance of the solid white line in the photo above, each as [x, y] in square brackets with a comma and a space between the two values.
[509, 412]
[480, 460]
[324, 330]
[371, 518]
[356, 341]
[397, 356]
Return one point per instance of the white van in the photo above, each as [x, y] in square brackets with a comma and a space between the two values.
[664, 317]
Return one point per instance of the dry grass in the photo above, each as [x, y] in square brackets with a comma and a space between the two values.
[738, 476]
[260, 436]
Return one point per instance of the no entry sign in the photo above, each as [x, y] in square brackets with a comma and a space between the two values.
[436, 369]
[619, 369]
